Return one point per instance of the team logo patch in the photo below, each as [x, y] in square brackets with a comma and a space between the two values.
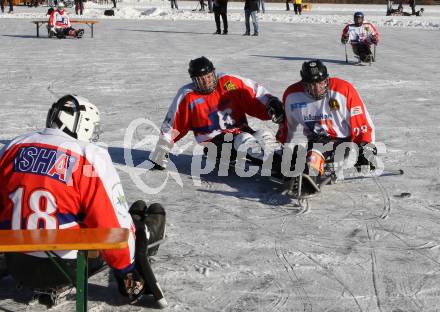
[333, 104]
[357, 110]
[229, 86]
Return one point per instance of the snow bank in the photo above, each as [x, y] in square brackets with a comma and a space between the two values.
[275, 13]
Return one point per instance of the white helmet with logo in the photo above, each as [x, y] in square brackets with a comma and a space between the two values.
[75, 116]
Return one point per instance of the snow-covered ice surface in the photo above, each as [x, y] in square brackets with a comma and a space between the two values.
[236, 244]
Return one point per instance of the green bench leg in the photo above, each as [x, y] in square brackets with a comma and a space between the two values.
[81, 281]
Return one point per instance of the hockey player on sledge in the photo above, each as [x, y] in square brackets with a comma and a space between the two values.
[361, 35]
[56, 178]
[59, 24]
[327, 110]
[213, 106]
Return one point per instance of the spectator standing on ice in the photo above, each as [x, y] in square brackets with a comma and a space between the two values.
[261, 6]
[174, 4]
[250, 11]
[297, 6]
[221, 9]
[79, 7]
[11, 7]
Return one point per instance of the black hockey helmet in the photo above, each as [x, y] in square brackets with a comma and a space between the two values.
[313, 71]
[202, 73]
[200, 67]
[358, 18]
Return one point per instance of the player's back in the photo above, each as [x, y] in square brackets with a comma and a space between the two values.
[40, 176]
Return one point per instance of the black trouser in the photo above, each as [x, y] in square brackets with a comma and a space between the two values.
[11, 8]
[287, 5]
[42, 273]
[64, 32]
[174, 4]
[79, 7]
[297, 8]
[412, 4]
[362, 50]
[220, 11]
[114, 3]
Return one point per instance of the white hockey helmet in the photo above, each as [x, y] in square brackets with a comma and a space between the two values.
[75, 116]
[60, 5]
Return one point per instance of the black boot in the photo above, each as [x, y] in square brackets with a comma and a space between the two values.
[155, 221]
[154, 218]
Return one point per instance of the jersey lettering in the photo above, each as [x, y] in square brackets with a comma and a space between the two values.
[48, 162]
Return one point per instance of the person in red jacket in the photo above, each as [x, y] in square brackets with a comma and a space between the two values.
[214, 107]
[324, 110]
[56, 178]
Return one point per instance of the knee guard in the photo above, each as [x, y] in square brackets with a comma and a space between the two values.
[247, 142]
[266, 139]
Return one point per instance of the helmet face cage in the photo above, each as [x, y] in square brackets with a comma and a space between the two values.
[202, 73]
[205, 84]
[75, 116]
[317, 90]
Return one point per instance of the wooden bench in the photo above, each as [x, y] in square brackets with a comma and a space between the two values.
[83, 240]
[89, 23]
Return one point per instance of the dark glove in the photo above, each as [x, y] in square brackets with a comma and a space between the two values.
[275, 109]
[367, 156]
[130, 284]
[344, 40]
[374, 40]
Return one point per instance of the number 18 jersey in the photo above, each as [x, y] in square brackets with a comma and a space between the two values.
[49, 180]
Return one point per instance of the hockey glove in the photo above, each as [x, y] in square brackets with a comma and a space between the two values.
[130, 284]
[367, 156]
[344, 40]
[159, 157]
[275, 110]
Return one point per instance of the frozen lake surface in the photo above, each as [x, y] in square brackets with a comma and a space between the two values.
[237, 244]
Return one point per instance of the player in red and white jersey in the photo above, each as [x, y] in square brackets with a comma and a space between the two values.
[55, 178]
[59, 23]
[211, 106]
[326, 110]
[361, 35]
[323, 106]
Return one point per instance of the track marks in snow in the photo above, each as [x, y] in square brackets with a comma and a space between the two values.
[290, 270]
[374, 273]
